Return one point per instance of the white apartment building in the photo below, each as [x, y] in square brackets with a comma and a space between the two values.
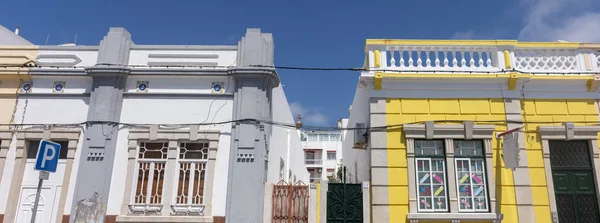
[322, 152]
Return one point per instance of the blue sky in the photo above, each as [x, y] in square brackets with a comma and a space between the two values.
[308, 33]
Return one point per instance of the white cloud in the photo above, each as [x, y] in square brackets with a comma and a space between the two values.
[309, 116]
[464, 35]
[553, 20]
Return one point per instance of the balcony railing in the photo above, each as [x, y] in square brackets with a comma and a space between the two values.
[313, 161]
[481, 56]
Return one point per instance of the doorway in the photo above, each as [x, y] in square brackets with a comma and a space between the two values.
[573, 177]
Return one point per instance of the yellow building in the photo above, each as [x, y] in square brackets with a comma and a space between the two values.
[16, 55]
[434, 109]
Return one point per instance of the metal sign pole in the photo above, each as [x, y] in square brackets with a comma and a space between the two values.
[43, 176]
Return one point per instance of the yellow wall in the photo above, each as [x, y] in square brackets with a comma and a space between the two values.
[12, 58]
[482, 111]
[549, 112]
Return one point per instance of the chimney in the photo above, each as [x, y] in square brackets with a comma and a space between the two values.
[299, 123]
[17, 31]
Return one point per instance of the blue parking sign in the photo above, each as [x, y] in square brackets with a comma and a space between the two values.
[47, 156]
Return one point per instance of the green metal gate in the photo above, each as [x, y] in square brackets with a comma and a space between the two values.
[344, 202]
[574, 186]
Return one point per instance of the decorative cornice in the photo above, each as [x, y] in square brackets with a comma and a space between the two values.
[179, 71]
[107, 70]
[420, 131]
[563, 132]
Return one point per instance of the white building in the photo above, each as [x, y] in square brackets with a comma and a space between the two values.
[167, 132]
[323, 152]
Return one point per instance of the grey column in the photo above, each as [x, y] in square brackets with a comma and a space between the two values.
[100, 139]
[248, 160]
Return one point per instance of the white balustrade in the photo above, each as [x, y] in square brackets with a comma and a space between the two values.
[484, 58]
[547, 60]
[416, 58]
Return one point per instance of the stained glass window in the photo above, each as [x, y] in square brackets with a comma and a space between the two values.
[470, 176]
[430, 169]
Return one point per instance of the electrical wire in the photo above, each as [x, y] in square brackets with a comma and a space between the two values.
[368, 69]
[288, 125]
[280, 124]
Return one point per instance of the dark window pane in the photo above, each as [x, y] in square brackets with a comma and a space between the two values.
[470, 148]
[587, 208]
[33, 146]
[429, 148]
[574, 153]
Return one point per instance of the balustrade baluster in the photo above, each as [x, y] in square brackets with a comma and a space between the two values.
[471, 60]
[437, 58]
[480, 63]
[410, 59]
[454, 61]
[463, 62]
[445, 53]
[428, 61]
[419, 61]
[401, 57]
[489, 59]
[392, 60]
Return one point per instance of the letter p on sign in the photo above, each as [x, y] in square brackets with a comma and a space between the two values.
[47, 156]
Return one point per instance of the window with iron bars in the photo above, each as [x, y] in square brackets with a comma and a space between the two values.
[192, 171]
[190, 175]
[151, 163]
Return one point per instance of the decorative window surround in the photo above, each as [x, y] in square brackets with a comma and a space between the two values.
[568, 132]
[466, 131]
[70, 134]
[173, 137]
[5, 139]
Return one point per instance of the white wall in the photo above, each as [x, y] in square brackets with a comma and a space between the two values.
[88, 57]
[141, 56]
[279, 142]
[321, 148]
[47, 109]
[179, 109]
[357, 160]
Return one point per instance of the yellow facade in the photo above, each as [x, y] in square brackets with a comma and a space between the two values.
[550, 112]
[446, 111]
[481, 111]
[448, 82]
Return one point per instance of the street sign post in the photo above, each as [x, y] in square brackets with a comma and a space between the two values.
[46, 162]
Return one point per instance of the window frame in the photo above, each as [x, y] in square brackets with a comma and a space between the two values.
[174, 137]
[430, 158]
[448, 133]
[334, 155]
[193, 163]
[469, 159]
[152, 163]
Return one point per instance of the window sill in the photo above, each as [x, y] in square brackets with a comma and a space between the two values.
[142, 208]
[185, 209]
[454, 217]
[177, 219]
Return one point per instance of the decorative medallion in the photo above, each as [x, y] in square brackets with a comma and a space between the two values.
[142, 86]
[26, 87]
[59, 86]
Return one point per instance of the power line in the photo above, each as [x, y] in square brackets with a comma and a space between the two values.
[416, 71]
[280, 124]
